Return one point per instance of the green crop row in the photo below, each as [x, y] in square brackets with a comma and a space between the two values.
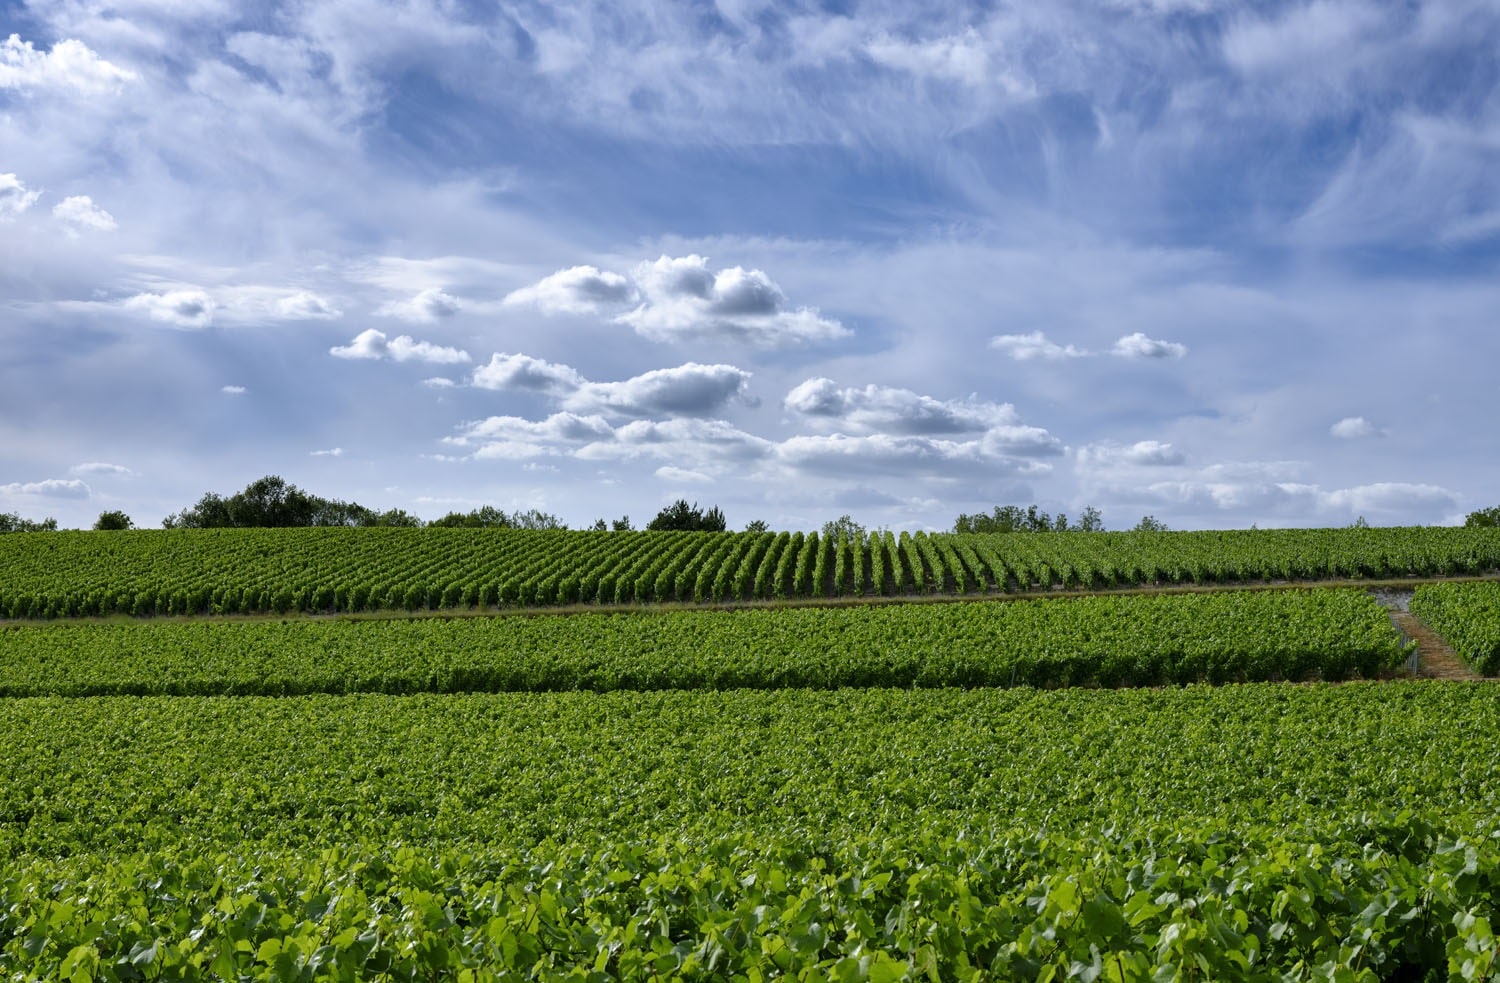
[1468, 618]
[228, 571]
[1256, 832]
[1107, 640]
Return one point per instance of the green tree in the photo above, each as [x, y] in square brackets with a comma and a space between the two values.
[489, 517]
[269, 502]
[844, 527]
[1150, 523]
[1483, 518]
[113, 519]
[680, 516]
[757, 525]
[11, 522]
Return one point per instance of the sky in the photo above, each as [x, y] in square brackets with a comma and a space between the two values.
[1222, 264]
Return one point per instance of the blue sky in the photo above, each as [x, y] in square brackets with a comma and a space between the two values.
[1219, 263]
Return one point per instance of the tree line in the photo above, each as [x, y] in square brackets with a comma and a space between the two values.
[272, 502]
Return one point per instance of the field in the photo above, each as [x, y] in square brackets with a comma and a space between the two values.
[1144, 787]
[230, 571]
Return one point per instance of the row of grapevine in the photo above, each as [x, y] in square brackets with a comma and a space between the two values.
[1108, 641]
[252, 571]
[1468, 618]
[1243, 833]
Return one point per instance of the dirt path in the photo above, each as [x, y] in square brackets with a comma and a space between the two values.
[1435, 660]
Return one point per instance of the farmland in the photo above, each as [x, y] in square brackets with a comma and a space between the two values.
[249, 571]
[1237, 832]
[1109, 641]
[1117, 787]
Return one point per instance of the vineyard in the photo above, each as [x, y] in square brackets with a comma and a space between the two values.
[280, 571]
[1260, 832]
[1101, 641]
[1468, 616]
[1088, 786]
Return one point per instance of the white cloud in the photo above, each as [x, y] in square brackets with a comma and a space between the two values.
[233, 390]
[842, 456]
[69, 65]
[893, 410]
[426, 307]
[957, 58]
[683, 298]
[516, 371]
[1142, 453]
[685, 390]
[578, 290]
[1034, 345]
[99, 468]
[14, 198]
[372, 344]
[183, 308]
[682, 475]
[705, 445]
[330, 452]
[79, 214]
[1353, 428]
[689, 390]
[1137, 345]
[50, 488]
[306, 306]
[439, 382]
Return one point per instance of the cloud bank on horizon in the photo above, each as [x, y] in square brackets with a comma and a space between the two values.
[1223, 264]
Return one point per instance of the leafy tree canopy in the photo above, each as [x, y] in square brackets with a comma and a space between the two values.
[11, 522]
[757, 525]
[680, 516]
[113, 519]
[489, 517]
[1150, 523]
[1484, 518]
[269, 502]
[1032, 518]
[843, 528]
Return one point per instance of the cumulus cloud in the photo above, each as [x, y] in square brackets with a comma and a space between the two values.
[426, 307]
[14, 197]
[682, 475]
[439, 382]
[893, 410]
[682, 297]
[1353, 428]
[578, 290]
[1137, 345]
[516, 371]
[703, 444]
[233, 390]
[373, 345]
[78, 214]
[516, 438]
[183, 308]
[689, 390]
[99, 468]
[841, 456]
[69, 65]
[1034, 345]
[50, 488]
[1142, 453]
[306, 306]
[330, 452]
[685, 390]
